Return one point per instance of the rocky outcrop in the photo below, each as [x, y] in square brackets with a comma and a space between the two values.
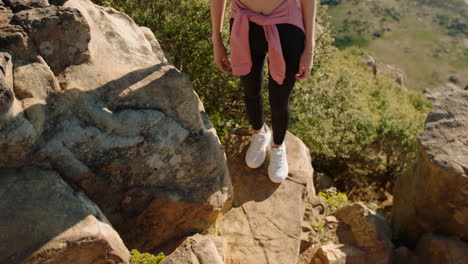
[432, 196]
[198, 249]
[265, 223]
[436, 249]
[441, 91]
[369, 60]
[268, 222]
[61, 35]
[362, 236]
[386, 70]
[369, 230]
[390, 71]
[88, 94]
[44, 220]
[6, 84]
[403, 255]
[18, 5]
[339, 254]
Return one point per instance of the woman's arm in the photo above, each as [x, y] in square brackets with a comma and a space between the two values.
[221, 59]
[308, 15]
[217, 8]
[309, 12]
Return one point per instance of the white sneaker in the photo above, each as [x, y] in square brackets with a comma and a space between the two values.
[278, 167]
[256, 153]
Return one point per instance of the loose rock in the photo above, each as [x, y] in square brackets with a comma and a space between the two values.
[46, 220]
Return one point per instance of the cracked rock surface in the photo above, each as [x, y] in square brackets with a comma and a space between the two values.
[265, 223]
[49, 222]
[88, 94]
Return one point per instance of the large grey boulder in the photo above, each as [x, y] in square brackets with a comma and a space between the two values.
[90, 94]
[44, 220]
[340, 254]
[433, 194]
[61, 35]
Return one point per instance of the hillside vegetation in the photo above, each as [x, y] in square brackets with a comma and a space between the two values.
[427, 39]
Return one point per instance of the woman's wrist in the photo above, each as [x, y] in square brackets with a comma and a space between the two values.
[309, 45]
[216, 38]
[309, 49]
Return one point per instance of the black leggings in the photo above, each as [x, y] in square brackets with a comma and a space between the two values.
[292, 44]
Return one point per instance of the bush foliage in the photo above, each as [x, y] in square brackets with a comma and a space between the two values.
[146, 258]
[358, 127]
[334, 199]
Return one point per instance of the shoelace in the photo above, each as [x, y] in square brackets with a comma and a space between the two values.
[278, 156]
[258, 141]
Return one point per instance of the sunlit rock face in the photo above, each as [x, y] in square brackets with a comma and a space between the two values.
[433, 195]
[88, 94]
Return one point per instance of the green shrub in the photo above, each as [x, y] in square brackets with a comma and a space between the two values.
[333, 199]
[359, 127]
[146, 258]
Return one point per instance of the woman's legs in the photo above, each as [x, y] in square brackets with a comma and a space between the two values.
[292, 44]
[252, 83]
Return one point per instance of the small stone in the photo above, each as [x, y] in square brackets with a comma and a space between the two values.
[331, 219]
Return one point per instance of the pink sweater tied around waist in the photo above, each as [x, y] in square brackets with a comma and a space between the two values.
[241, 63]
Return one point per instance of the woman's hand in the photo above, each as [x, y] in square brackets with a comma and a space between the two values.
[220, 57]
[305, 64]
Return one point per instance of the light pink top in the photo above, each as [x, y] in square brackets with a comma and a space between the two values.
[287, 12]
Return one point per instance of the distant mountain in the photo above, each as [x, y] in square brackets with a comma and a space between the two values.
[428, 39]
